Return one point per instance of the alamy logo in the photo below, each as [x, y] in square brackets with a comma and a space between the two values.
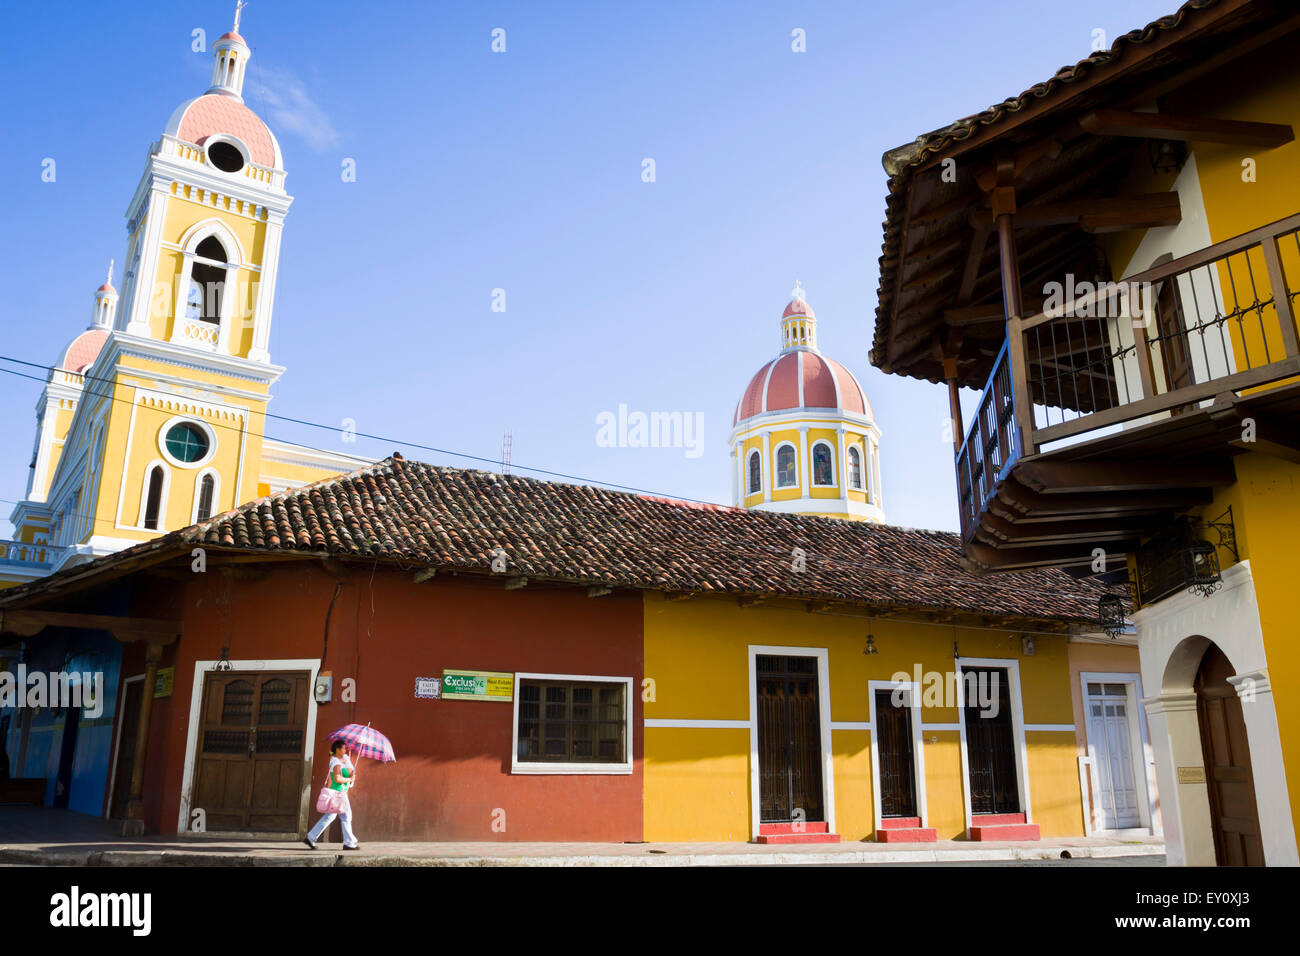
[973, 689]
[74, 909]
[56, 689]
[651, 430]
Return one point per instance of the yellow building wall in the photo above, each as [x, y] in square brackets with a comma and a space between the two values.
[697, 780]
[778, 436]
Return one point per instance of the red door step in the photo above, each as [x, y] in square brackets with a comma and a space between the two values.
[906, 835]
[996, 819]
[899, 823]
[1002, 826]
[787, 833]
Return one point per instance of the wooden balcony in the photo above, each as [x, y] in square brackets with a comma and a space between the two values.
[1112, 411]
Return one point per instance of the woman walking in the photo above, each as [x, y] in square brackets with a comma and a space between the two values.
[342, 776]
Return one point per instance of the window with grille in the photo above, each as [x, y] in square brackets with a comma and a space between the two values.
[566, 723]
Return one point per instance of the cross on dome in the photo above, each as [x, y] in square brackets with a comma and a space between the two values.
[798, 290]
[239, 8]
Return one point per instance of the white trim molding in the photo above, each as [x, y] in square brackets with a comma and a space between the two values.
[201, 670]
[1012, 667]
[539, 767]
[824, 706]
[911, 690]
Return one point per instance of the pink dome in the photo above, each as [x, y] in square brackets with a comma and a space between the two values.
[798, 307]
[106, 287]
[214, 113]
[802, 378]
[232, 35]
[83, 351]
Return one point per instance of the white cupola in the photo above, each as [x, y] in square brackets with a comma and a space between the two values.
[230, 59]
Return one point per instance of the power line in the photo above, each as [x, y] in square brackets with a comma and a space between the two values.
[855, 565]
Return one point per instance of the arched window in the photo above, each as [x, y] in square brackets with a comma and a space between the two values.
[823, 464]
[755, 472]
[153, 500]
[207, 281]
[855, 467]
[207, 487]
[785, 471]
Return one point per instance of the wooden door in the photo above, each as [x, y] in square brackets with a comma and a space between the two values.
[789, 740]
[1228, 775]
[894, 745]
[249, 771]
[130, 723]
[990, 745]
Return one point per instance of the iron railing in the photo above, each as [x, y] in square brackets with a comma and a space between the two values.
[1156, 345]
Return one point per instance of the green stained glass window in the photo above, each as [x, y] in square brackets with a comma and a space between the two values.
[186, 442]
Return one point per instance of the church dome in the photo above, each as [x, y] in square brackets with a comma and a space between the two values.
[802, 378]
[220, 114]
[798, 306]
[83, 350]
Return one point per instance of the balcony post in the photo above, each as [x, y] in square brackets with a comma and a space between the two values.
[1281, 299]
[1004, 209]
[954, 403]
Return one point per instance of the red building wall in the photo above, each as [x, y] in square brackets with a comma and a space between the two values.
[452, 777]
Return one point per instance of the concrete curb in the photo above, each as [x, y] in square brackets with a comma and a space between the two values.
[187, 858]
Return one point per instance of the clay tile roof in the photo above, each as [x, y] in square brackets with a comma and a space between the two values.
[426, 515]
[215, 113]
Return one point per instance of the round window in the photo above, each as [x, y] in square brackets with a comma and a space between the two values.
[226, 156]
[186, 442]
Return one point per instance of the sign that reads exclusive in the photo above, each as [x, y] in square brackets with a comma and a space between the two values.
[477, 685]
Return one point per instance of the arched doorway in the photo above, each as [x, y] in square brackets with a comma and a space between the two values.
[1229, 780]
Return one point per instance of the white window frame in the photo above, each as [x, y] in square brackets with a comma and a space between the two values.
[812, 458]
[531, 767]
[201, 425]
[912, 693]
[824, 706]
[848, 451]
[776, 466]
[229, 140]
[1012, 667]
[162, 498]
[749, 489]
[198, 486]
[236, 260]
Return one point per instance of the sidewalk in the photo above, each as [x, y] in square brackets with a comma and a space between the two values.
[40, 836]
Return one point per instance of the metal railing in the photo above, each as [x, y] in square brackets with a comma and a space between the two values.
[1155, 345]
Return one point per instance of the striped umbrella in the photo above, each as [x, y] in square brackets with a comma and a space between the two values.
[366, 741]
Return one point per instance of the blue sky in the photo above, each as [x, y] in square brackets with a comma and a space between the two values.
[522, 171]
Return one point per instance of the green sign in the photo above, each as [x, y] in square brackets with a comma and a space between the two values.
[477, 685]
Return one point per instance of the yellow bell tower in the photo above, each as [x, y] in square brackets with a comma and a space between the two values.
[155, 417]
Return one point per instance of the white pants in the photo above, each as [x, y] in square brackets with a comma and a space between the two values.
[345, 817]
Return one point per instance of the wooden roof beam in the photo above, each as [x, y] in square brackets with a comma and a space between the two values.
[1112, 214]
[28, 623]
[1071, 477]
[1190, 129]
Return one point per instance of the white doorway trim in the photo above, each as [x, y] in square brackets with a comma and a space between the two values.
[823, 705]
[201, 670]
[1141, 754]
[912, 695]
[1012, 667]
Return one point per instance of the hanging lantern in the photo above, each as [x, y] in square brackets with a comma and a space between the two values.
[1110, 614]
[1201, 564]
[871, 645]
[223, 664]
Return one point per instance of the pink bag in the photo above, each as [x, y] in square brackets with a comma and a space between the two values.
[329, 800]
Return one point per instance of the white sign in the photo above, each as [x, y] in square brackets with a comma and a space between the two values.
[430, 687]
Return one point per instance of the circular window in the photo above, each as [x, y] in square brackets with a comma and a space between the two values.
[225, 156]
[186, 443]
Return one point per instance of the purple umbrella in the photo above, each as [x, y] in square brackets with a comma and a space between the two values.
[366, 741]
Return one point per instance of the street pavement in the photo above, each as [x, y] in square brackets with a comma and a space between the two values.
[43, 836]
